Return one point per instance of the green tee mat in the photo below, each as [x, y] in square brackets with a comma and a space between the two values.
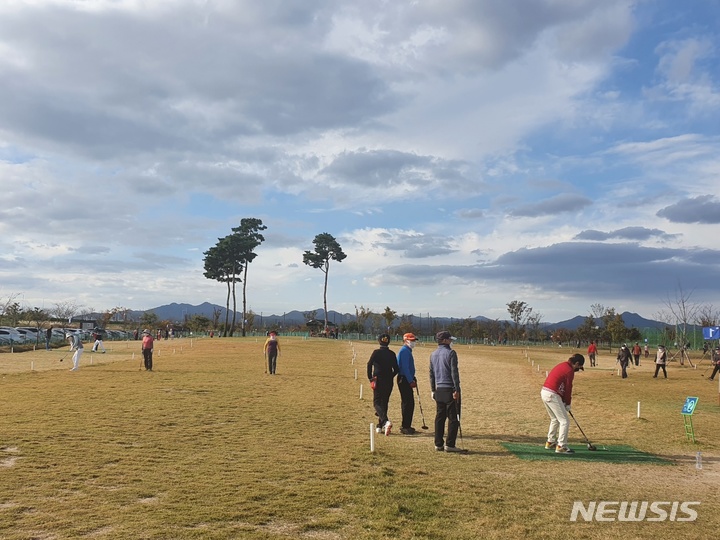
[604, 453]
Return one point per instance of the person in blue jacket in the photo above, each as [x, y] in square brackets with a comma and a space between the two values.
[406, 382]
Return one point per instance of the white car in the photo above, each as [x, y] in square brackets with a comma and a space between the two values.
[9, 335]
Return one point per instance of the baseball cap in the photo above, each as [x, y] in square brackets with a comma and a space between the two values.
[384, 339]
[409, 337]
[442, 335]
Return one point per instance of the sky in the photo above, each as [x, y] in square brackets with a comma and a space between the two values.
[464, 153]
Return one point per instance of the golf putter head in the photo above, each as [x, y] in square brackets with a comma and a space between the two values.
[591, 447]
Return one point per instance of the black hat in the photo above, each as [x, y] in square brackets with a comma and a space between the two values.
[443, 335]
[384, 340]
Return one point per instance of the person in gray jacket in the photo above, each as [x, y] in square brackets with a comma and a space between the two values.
[445, 386]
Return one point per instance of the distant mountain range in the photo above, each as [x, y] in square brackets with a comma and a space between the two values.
[178, 313]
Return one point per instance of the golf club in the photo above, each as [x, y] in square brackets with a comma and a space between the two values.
[590, 446]
[422, 414]
[64, 357]
[462, 443]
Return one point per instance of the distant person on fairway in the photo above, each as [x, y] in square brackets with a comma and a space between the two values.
[77, 346]
[271, 350]
[592, 352]
[381, 370]
[148, 343]
[716, 363]
[660, 361]
[48, 338]
[556, 395]
[445, 386]
[623, 356]
[406, 382]
[636, 351]
[97, 336]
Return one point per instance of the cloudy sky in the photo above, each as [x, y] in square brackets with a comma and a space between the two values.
[465, 153]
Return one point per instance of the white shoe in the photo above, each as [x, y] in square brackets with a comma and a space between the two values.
[378, 429]
[388, 427]
[74, 369]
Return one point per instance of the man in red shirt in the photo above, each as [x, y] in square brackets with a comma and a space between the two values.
[556, 395]
[636, 352]
[147, 349]
[592, 352]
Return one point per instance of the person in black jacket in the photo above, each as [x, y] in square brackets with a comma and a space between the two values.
[381, 370]
[624, 357]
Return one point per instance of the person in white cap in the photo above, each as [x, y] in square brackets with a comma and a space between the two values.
[77, 346]
[406, 382]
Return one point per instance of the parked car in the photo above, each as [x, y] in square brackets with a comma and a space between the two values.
[31, 334]
[8, 335]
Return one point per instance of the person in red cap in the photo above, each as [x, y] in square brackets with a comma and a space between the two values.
[556, 395]
[271, 350]
[406, 382]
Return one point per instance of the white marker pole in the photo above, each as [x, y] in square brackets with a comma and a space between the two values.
[638, 409]
[356, 374]
[372, 437]
[361, 391]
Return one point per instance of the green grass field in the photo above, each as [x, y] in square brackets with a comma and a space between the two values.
[208, 446]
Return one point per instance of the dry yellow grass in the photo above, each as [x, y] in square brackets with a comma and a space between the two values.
[209, 446]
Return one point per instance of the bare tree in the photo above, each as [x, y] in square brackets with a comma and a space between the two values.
[681, 312]
[5, 304]
[66, 310]
[707, 315]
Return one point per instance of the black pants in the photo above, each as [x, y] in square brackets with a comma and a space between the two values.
[637, 359]
[381, 400]
[147, 357]
[624, 365]
[272, 362]
[715, 371]
[446, 409]
[657, 370]
[407, 404]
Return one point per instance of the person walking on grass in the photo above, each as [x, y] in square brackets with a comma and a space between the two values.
[623, 356]
[445, 387]
[636, 351]
[716, 363]
[77, 346]
[381, 370]
[660, 361]
[148, 343]
[271, 350]
[592, 353]
[406, 382]
[556, 395]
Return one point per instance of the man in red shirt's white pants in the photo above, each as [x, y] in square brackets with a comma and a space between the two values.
[556, 395]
